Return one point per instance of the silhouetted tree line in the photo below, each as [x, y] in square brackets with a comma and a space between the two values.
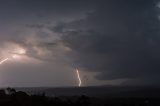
[11, 97]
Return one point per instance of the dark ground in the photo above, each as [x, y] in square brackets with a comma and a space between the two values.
[11, 97]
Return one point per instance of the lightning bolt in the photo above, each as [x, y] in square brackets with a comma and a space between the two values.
[79, 78]
[15, 55]
[2, 61]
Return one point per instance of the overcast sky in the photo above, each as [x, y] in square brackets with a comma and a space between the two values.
[111, 42]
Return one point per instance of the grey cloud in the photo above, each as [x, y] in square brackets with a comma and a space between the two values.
[38, 26]
[120, 39]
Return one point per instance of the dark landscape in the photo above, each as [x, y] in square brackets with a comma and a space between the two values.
[79, 52]
[85, 96]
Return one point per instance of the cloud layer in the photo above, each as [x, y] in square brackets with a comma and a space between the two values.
[118, 39]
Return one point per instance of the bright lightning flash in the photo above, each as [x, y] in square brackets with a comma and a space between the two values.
[21, 51]
[79, 78]
[1, 62]
[16, 55]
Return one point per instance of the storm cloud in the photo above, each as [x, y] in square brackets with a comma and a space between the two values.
[111, 40]
[119, 39]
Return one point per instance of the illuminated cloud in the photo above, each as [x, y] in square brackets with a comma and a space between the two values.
[117, 40]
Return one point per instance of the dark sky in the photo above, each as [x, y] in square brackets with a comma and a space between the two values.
[112, 42]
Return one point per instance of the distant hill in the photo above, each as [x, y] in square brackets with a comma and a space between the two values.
[99, 91]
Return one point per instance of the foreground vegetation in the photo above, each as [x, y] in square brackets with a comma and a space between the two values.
[11, 97]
